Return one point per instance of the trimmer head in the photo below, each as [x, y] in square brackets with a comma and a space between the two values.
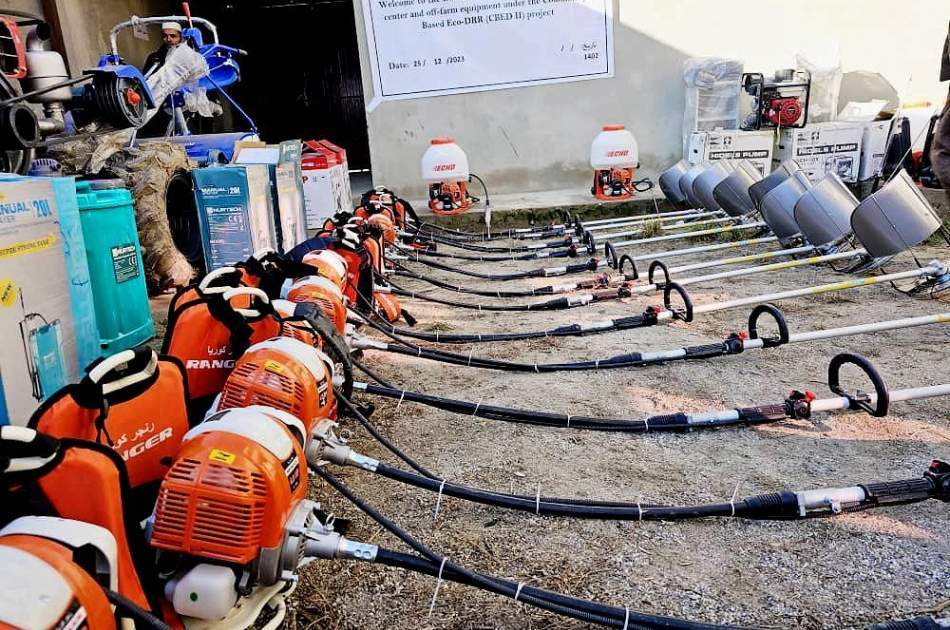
[895, 218]
[778, 206]
[670, 183]
[706, 182]
[732, 193]
[760, 189]
[824, 212]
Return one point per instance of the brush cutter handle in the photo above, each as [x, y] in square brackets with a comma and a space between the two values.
[133, 374]
[610, 255]
[590, 242]
[626, 258]
[252, 291]
[856, 401]
[779, 317]
[685, 314]
[659, 264]
[205, 285]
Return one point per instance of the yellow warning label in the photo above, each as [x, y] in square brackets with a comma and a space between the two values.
[28, 247]
[273, 366]
[217, 455]
[8, 292]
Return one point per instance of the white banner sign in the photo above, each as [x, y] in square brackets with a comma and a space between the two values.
[421, 48]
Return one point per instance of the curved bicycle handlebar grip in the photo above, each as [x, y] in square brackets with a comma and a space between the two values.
[778, 316]
[633, 266]
[687, 302]
[880, 388]
[590, 242]
[610, 255]
[659, 264]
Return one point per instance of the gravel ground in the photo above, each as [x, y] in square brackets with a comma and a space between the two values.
[842, 572]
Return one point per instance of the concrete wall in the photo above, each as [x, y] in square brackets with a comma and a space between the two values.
[538, 138]
[85, 26]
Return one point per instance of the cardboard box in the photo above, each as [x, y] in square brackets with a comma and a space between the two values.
[39, 355]
[234, 211]
[326, 182]
[873, 148]
[732, 144]
[287, 197]
[821, 148]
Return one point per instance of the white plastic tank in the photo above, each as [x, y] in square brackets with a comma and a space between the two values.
[444, 161]
[614, 147]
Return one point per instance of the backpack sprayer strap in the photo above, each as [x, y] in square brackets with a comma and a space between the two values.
[110, 376]
[207, 285]
[251, 313]
[23, 449]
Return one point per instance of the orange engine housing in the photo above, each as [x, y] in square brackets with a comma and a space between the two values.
[320, 291]
[613, 184]
[330, 265]
[231, 488]
[448, 198]
[284, 374]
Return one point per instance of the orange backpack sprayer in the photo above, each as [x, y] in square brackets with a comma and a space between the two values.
[614, 155]
[445, 169]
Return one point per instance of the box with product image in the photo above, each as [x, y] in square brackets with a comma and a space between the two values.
[732, 144]
[326, 182]
[39, 355]
[283, 164]
[873, 148]
[235, 212]
[822, 148]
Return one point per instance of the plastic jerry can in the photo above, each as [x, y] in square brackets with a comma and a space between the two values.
[115, 267]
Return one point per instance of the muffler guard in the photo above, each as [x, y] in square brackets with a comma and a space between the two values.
[706, 182]
[778, 206]
[761, 188]
[823, 214]
[670, 183]
[732, 193]
[894, 219]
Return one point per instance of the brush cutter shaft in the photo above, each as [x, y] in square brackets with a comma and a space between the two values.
[640, 228]
[929, 270]
[676, 253]
[650, 218]
[758, 225]
[896, 395]
[641, 217]
[735, 260]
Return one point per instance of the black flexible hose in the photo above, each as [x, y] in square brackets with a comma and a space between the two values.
[568, 252]
[747, 416]
[576, 608]
[564, 243]
[404, 272]
[590, 265]
[555, 304]
[125, 607]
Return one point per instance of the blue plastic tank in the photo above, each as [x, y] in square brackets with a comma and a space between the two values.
[115, 267]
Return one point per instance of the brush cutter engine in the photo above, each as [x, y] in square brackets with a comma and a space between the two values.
[232, 515]
[330, 265]
[322, 292]
[614, 183]
[283, 374]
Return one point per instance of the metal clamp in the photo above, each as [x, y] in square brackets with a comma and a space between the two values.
[778, 316]
[859, 400]
[685, 314]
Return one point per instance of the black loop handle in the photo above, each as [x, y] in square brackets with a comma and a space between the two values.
[610, 255]
[626, 258]
[687, 302]
[880, 388]
[578, 226]
[779, 317]
[566, 217]
[591, 244]
[658, 264]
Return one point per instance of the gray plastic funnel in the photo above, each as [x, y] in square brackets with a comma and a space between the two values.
[778, 206]
[670, 183]
[894, 218]
[732, 193]
[760, 189]
[823, 214]
[706, 182]
[686, 183]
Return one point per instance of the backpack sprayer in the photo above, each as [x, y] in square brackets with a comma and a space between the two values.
[614, 155]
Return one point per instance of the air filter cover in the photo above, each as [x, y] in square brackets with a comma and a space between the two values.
[686, 184]
[760, 189]
[778, 206]
[670, 182]
[823, 214]
[706, 182]
[894, 218]
[732, 193]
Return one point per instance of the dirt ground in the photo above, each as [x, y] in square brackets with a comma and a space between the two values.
[842, 572]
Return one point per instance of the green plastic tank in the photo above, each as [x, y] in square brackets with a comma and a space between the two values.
[115, 265]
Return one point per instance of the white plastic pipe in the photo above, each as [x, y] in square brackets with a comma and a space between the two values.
[687, 235]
